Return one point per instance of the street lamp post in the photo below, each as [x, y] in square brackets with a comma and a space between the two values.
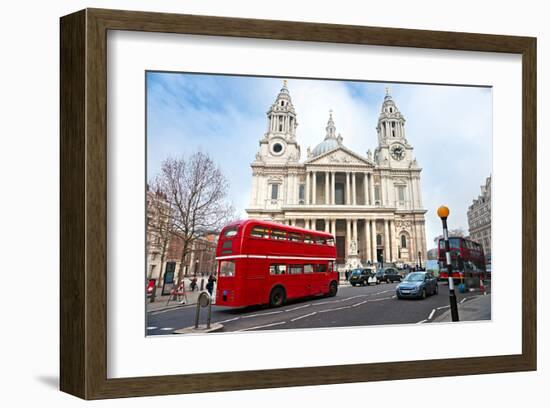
[420, 260]
[443, 213]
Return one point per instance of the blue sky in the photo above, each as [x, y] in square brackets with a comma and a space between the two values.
[450, 128]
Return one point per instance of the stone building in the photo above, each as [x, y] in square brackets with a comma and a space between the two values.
[479, 218]
[164, 249]
[372, 203]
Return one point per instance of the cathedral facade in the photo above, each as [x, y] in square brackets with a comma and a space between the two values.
[371, 203]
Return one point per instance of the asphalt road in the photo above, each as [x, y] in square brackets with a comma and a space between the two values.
[352, 306]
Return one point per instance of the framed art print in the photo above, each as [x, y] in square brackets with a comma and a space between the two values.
[312, 203]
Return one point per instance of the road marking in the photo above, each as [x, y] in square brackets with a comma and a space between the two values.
[261, 314]
[167, 328]
[442, 307]
[230, 320]
[463, 300]
[337, 308]
[304, 316]
[379, 300]
[261, 327]
[298, 307]
[394, 296]
[422, 321]
[431, 314]
[360, 303]
[152, 328]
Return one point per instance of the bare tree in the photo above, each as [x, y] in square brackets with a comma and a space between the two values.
[197, 192]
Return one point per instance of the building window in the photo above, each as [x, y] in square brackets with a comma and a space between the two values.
[403, 241]
[401, 194]
[274, 191]
[379, 239]
[301, 193]
[377, 194]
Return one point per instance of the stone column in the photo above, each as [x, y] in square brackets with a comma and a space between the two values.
[371, 189]
[387, 251]
[314, 224]
[348, 235]
[333, 187]
[327, 226]
[394, 239]
[368, 244]
[314, 182]
[354, 235]
[333, 227]
[382, 190]
[348, 202]
[373, 240]
[354, 188]
[327, 198]
[366, 187]
[307, 187]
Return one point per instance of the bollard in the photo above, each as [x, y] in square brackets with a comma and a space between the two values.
[204, 300]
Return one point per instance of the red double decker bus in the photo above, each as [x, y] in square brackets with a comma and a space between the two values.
[467, 259]
[262, 262]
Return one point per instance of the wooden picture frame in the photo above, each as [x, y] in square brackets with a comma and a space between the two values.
[83, 288]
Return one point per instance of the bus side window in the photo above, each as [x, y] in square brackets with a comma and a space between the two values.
[276, 269]
[293, 236]
[320, 241]
[295, 269]
[307, 239]
[320, 268]
[278, 235]
[259, 232]
[308, 268]
[330, 242]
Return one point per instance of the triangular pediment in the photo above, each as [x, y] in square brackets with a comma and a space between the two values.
[340, 156]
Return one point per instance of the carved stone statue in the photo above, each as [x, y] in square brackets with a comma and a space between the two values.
[369, 155]
[353, 247]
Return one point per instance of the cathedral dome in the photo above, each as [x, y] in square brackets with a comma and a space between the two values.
[325, 146]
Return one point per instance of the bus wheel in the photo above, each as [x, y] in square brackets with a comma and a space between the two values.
[332, 289]
[277, 297]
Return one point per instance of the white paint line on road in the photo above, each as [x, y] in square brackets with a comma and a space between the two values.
[378, 300]
[463, 300]
[261, 327]
[336, 308]
[431, 314]
[422, 321]
[167, 328]
[152, 328]
[303, 316]
[394, 296]
[261, 314]
[298, 307]
[442, 307]
[360, 303]
[230, 320]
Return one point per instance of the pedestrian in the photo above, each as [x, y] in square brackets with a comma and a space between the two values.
[210, 284]
[193, 284]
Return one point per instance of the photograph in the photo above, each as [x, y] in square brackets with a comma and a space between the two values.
[308, 203]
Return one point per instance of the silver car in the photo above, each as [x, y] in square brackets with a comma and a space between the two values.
[417, 285]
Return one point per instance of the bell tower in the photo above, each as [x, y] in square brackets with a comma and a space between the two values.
[279, 142]
[393, 149]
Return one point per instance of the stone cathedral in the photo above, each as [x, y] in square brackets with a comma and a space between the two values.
[372, 204]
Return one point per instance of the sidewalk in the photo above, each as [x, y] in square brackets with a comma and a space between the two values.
[477, 308]
[162, 303]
